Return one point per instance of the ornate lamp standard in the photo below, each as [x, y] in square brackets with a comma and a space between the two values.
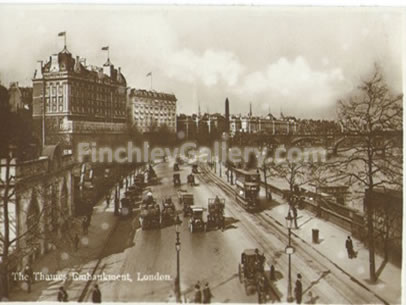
[177, 246]
[289, 250]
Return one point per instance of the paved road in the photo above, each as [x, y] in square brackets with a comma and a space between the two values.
[213, 256]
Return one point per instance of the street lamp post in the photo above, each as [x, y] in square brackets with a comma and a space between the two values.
[289, 251]
[177, 246]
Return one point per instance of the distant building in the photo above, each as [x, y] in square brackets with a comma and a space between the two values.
[217, 123]
[20, 97]
[188, 124]
[151, 109]
[235, 124]
[81, 102]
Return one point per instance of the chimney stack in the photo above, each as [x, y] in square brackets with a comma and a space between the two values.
[38, 70]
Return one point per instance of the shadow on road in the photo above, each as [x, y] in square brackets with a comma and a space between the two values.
[123, 235]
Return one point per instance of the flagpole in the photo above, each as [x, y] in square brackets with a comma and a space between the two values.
[64, 40]
[151, 81]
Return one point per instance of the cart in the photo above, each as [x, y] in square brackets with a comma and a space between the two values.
[215, 218]
[196, 223]
[187, 200]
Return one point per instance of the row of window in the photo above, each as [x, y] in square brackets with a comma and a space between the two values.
[55, 105]
[161, 113]
[54, 90]
[148, 123]
[156, 107]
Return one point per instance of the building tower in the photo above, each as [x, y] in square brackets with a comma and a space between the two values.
[227, 115]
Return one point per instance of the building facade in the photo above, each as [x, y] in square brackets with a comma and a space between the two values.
[78, 102]
[150, 110]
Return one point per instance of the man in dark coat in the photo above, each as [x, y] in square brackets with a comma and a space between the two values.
[62, 295]
[350, 247]
[96, 294]
[298, 289]
[198, 294]
[207, 294]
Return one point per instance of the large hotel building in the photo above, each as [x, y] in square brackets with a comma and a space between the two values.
[151, 109]
[81, 102]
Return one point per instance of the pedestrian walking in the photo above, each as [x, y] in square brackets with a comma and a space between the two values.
[349, 246]
[62, 295]
[198, 294]
[96, 294]
[298, 289]
[76, 242]
[28, 274]
[207, 294]
[294, 210]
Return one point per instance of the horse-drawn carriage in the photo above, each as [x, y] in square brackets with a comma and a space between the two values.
[150, 214]
[215, 218]
[186, 199]
[251, 272]
[168, 212]
[196, 222]
[134, 193]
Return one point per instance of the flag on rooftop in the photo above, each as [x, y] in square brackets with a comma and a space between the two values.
[62, 34]
[149, 74]
[105, 48]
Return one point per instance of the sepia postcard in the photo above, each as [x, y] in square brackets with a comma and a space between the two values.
[201, 153]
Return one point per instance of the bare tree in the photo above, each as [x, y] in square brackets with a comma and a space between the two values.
[291, 168]
[373, 117]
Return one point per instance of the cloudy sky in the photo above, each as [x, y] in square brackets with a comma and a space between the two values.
[295, 60]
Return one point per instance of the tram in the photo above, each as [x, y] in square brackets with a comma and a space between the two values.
[248, 185]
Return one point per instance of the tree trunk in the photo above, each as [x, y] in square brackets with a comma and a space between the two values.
[371, 242]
